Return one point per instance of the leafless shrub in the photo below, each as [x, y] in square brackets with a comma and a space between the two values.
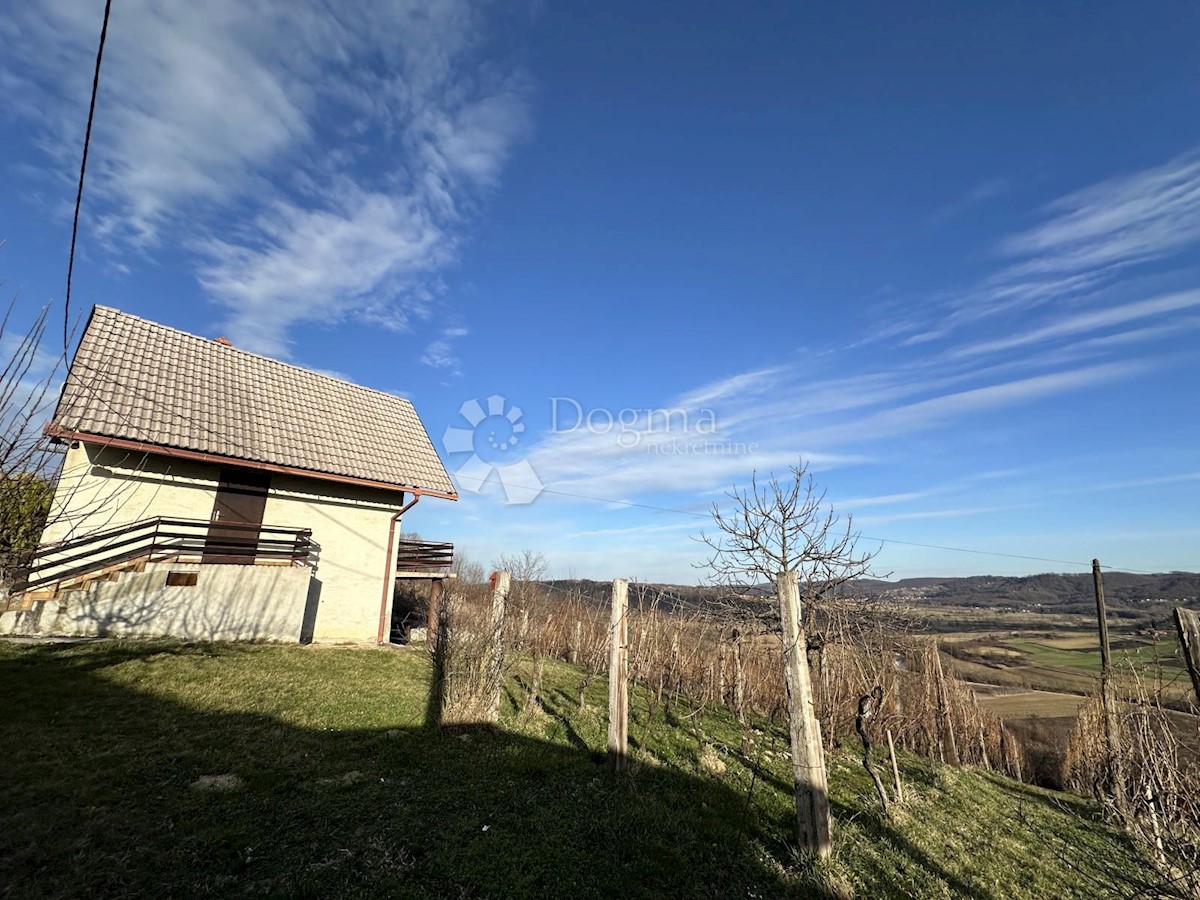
[527, 614]
[465, 675]
[1159, 802]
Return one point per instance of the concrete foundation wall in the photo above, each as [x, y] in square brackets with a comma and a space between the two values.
[102, 487]
[226, 603]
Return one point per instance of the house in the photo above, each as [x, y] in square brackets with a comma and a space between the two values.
[211, 493]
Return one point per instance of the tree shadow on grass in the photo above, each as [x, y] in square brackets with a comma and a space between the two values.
[574, 738]
[110, 790]
[1074, 830]
[1079, 807]
[881, 831]
[1094, 859]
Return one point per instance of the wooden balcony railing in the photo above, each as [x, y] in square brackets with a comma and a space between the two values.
[423, 556]
[160, 539]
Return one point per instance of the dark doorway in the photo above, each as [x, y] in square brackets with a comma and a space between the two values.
[236, 517]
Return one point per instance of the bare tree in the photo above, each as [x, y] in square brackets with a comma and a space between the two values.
[28, 464]
[783, 525]
[526, 568]
[40, 502]
[783, 532]
[466, 570]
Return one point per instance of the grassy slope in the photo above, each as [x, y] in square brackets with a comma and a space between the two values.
[346, 793]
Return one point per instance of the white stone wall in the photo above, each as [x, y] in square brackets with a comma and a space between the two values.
[102, 487]
[227, 603]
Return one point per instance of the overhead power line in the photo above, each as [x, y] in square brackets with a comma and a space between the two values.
[664, 509]
[87, 140]
[882, 540]
[667, 509]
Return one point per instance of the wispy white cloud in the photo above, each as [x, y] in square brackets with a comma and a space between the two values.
[596, 465]
[1080, 323]
[194, 98]
[745, 384]
[1119, 222]
[855, 503]
[1085, 242]
[768, 418]
[440, 352]
[981, 193]
[321, 162]
[634, 530]
[780, 415]
[873, 521]
[927, 413]
[1156, 481]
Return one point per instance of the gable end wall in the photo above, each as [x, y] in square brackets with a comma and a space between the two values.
[103, 487]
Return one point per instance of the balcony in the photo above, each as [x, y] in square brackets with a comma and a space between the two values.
[160, 539]
[423, 559]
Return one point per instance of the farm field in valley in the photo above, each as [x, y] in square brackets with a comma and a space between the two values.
[1035, 674]
[1062, 655]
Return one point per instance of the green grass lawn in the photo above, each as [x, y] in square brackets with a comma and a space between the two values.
[1088, 659]
[1147, 659]
[341, 790]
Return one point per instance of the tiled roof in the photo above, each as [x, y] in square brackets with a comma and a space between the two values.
[140, 381]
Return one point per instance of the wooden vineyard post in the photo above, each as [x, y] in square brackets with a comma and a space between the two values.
[1012, 753]
[576, 643]
[721, 692]
[808, 756]
[898, 788]
[1187, 623]
[739, 682]
[436, 587]
[1112, 738]
[618, 677]
[440, 624]
[946, 723]
[500, 584]
[675, 677]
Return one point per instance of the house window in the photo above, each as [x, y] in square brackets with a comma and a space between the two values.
[182, 579]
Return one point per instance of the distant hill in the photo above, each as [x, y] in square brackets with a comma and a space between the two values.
[1051, 592]
[1062, 593]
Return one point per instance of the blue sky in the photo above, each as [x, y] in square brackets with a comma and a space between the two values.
[948, 252]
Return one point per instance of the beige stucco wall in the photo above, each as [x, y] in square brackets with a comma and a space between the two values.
[350, 524]
[102, 487]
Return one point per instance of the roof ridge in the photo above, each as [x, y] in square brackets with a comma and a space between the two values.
[236, 349]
